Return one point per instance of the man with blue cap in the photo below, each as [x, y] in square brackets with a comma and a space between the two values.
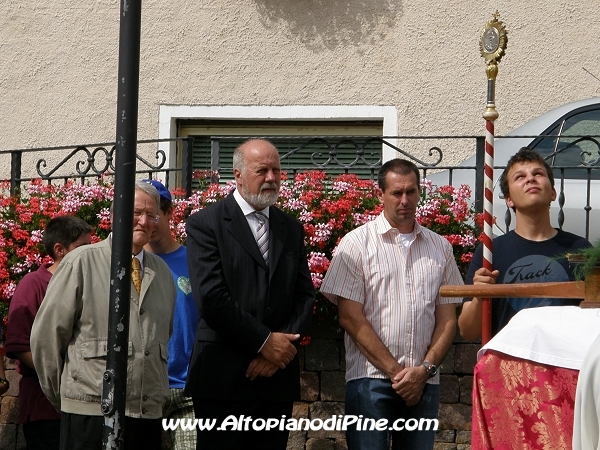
[185, 317]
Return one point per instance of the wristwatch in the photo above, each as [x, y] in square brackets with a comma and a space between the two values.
[431, 368]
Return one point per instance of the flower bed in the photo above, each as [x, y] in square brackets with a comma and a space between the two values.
[327, 207]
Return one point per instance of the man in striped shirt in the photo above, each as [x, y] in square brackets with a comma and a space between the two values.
[385, 277]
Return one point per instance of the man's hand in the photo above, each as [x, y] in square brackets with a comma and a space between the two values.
[469, 321]
[485, 276]
[260, 367]
[409, 384]
[26, 358]
[279, 348]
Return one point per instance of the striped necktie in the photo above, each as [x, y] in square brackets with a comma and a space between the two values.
[136, 274]
[262, 237]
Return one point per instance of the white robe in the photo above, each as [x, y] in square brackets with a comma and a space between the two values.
[586, 428]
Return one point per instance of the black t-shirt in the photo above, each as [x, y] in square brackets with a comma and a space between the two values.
[523, 261]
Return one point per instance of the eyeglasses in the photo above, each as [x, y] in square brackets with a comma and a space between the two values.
[137, 215]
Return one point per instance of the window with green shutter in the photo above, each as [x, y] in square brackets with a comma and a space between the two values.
[335, 147]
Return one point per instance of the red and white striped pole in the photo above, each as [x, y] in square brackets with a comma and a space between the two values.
[492, 45]
[488, 217]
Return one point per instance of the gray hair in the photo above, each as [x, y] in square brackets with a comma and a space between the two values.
[147, 188]
[239, 162]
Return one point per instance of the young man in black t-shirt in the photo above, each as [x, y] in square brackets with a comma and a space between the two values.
[528, 254]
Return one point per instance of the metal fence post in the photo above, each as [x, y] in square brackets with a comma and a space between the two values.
[187, 169]
[215, 149]
[15, 173]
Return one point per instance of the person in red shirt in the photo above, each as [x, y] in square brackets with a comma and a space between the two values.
[41, 422]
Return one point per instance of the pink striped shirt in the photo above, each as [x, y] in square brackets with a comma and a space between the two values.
[397, 286]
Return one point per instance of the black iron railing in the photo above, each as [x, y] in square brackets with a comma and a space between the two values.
[93, 161]
[336, 154]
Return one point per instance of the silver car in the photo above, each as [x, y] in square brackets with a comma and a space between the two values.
[568, 138]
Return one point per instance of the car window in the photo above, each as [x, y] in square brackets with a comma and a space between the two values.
[572, 150]
[545, 146]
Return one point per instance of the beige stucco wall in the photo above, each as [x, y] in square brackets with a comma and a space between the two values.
[59, 61]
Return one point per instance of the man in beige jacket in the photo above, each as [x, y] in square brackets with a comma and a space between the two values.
[69, 338]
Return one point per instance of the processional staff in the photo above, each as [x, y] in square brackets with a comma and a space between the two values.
[492, 44]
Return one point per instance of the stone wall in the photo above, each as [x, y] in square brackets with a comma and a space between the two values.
[323, 387]
[11, 434]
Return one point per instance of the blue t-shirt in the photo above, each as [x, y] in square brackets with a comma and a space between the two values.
[185, 318]
[520, 260]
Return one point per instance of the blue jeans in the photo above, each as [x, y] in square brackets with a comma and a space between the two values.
[375, 399]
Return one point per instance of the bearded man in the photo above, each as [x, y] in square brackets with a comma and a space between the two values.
[250, 280]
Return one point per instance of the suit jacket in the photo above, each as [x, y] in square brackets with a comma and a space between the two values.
[241, 300]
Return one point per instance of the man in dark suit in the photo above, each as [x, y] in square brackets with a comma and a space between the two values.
[250, 280]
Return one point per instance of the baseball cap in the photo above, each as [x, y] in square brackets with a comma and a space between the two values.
[162, 190]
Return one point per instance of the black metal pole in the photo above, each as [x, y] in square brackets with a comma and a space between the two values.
[115, 377]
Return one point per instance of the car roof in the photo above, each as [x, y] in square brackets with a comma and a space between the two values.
[543, 122]
[505, 147]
